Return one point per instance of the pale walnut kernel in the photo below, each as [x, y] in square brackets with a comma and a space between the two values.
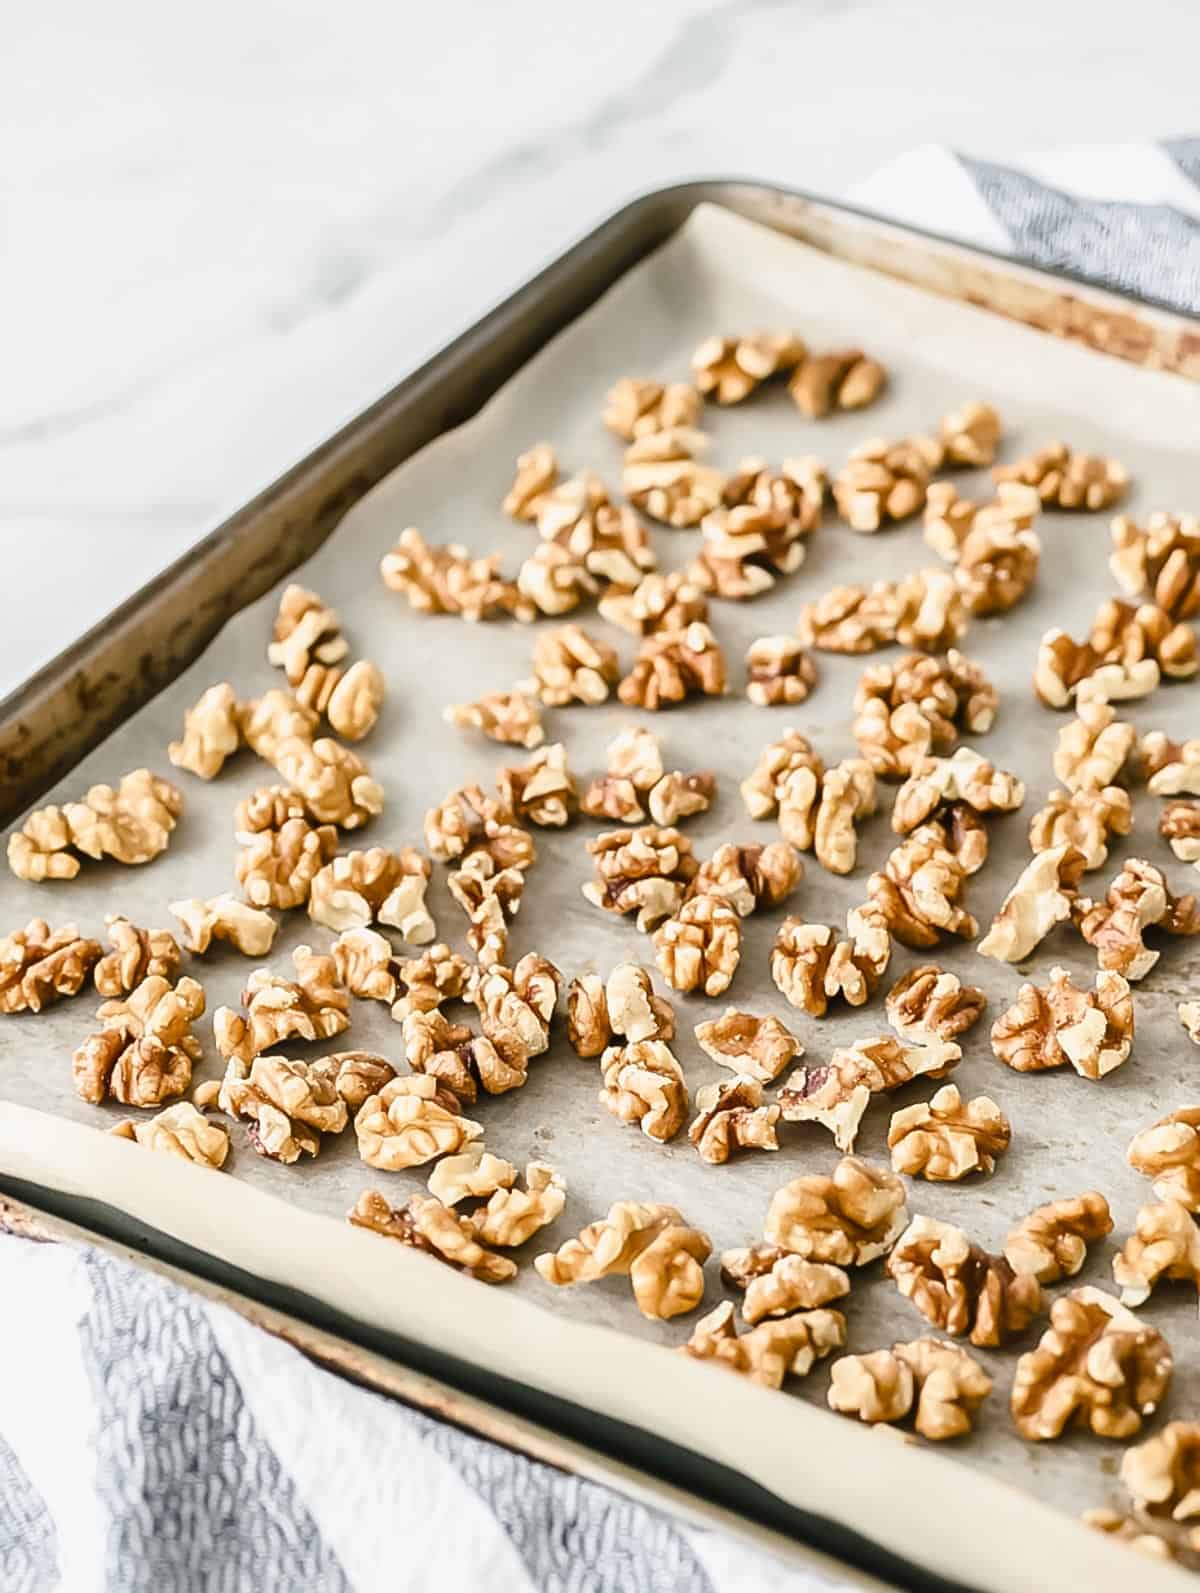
[764, 787]
[625, 1006]
[135, 955]
[877, 1387]
[512, 1216]
[40, 965]
[537, 473]
[779, 672]
[570, 665]
[783, 1347]
[1165, 1244]
[268, 808]
[931, 611]
[1127, 652]
[1137, 900]
[746, 1044]
[996, 568]
[960, 1288]
[790, 498]
[554, 581]
[777, 1283]
[366, 964]
[836, 1093]
[663, 476]
[409, 1122]
[970, 434]
[847, 797]
[966, 777]
[448, 580]
[1170, 768]
[637, 408]
[680, 796]
[885, 481]
[926, 1003]
[917, 892]
[470, 821]
[1160, 560]
[733, 1116]
[438, 975]
[507, 716]
[178, 1130]
[672, 666]
[951, 1386]
[700, 946]
[579, 520]
[211, 733]
[1068, 480]
[473, 1174]
[378, 885]
[334, 783]
[851, 619]
[950, 518]
[1169, 1153]
[224, 917]
[644, 871]
[1049, 1027]
[729, 369]
[131, 824]
[276, 867]
[1083, 819]
[1095, 1366]
[313, 1006]
[657, 603]
[489, 896]
[1051, 1243]
[1044, 895]
[650, 1244]
[812, 967]
[145, 1047]
[917, 706]
[542, 790]
[845, 379]
[644, 1084]
[749, 877]
[309, 647]
[849, 1219]
[946, 1138]
[424, 1223]
[1162, 1476]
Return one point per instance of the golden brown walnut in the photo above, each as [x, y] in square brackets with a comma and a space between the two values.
[663, 476]
[877, 1387]
[763, 789]
[268, 808]
[448, 580]
[425, 982]
[1137, 900]
[275, 719]
[40, 965]
[458, 1059]
[1051, 1243]
[885, 481]
[569, 665]
[996, 567]
[1165, 1244]
[845, 379]
[917, 706]
[1044, 894]
[657, 603]
[652, 1245]
[836, 1093]
[178, 1130]
[1068, 480]
[506, 716]
[1179, 826]
[970, 434]
[1169, 1153]
[849, 1219]
[537, 473]
[931, 611]
[700, 945]
[1126, 653]
[333, 782]
[645, 871]
[211, 733]
[733, 1116]
[917, 891]
[950, 518]
[759, 530]
[624, 1005]
[783, 1347]
[287, 1105]
[812, 967]
[376, 886]
[946, 1138]
[950, 1386]
[635, 768]
[638, 408]
[470, 821]
[313, 1006]
[276, 866]
[1160, 560]
[1047, 1027]
[1095, 1366]
[473, 1174]
[1170, 768]
[143, 1053]
[747, 1044]
[672, 666]
[644, 1084]
[516, 1006]
[749, 877]
[1162, 1476]
[1091, 751]
[135, 955]
[512, 1216]
[788, 500]
[409, 1122]
[680, 796]
[851, 619]
[847, 797]
[927, 1003]
[728, 369]
[1084, 820]
[960, 1288]
[779, 672]
[423, 1223]
[777, 1283]
[223, 917]
[131, 824]
[542, 790]
[966, 777]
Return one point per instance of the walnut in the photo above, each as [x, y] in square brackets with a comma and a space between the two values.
[1095, 1366]
[779, 671]
[971, 434]
[836, 1093]
[570, 665]
[663, 476]
[907, 710]
[131, 824]
[918, 889]
[288, 1105]
[305, 632]
[1051, 1243]
[959, 1287]
[812, 967]
[1170, 768]
[473, 1173]
[777, 1283]
[366, 964]
[946, 1138]
[1082, 819]
[759, 530]
[885, 481]
[309, 646]
[1160, 560]
[1165, 1243]
[656, 603]
[179, 1130]
[950, 519]
[512, 1216]
[542, 790]
[1130, 1530]
[651, 1245]
[410, 1121]
[1179, 826]
[554, 581]
[636, 408]
[516, 1006]
[425, 982]
[644, 1084]
[851, 619]
[1127, 651]
[447, 580]
[1162, 1476]
[950, 1386]
[222, 918]
[537, 472]
[846, 379]
[1138, 899]
[211, 733]
[763, 789]
[700, 946]
[674, 665]
[749, 877]
[313, 1006]
[926, 1003]
[635, 768]
[470, 821]
[790, 497]
[334, 783]
[507, 716]
[680, 796]
[424, 1223]
[1044, 894]
[1068, 480]
[847, 797]
[1169, 1153]
[40, 965]
[274, 719]
[1049, 1027]
[996, 568]
[605, 540]
[644, 871]
[931, 611]
[276, 867]
[489, 896]
[375, 886]
[733, 1116]
[456, 1058]
[785, 1346]
[965, 777]
[1093, 748]
[135, 955]
[729, 369]
[877, 1387]
[746, 1044]
[268, 808]
[624, 1005]
[849, 1219]
[145, 1048]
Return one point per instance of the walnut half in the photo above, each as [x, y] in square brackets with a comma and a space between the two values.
[40, 965]
[1051, 1243]
[787, 1346]
[652, 1245]
[959, 1287]
[850, 1218]
[946, 1138]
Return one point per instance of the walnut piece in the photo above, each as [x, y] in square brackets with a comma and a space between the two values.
[537, 472]
[1095, 1366]
[700, 945]
[674, 665]
[653, 1246]
[811, 967]
[1051, 1243]
[642, 871]
[512, 1216]
[1126, 653]
[926, 1004]
[777, 1283]
[309, 647]
[276, 867]
[916, 706]
[1051, 1026]
[448, 580]
[624, 1005]
[779, 672]
[950, 1385]
[313, 1006]
[409, 1122]
[287, 1105]
[845, 379]
[211, 733]
[1068, 480]
[1179, 826]
[749, 877]
[473, 1174]
[885, 481]
[663, 476]
[877, 1387]
[135, 955]
[1160, 560]
[747, 1044]
[424, 1223]
[657, 603]
[916, 893]
[635, 768]
[851, 619]
[1137, 900]
[1044, 894]
[143, 1052]
[966, 777]
[760, 529]
[644, 1084]
[728, 369]
[765, 786]
[1170, 768]
[507, 716]
[638, 408]
[224, 917]
[438, 975]
[970, 434]
[960, 1288]
[1169, 1153]
[1165, 1243]
[178, 1130]
[516, 1006]
[680, 796]
[1082, 819]
[767, 1354]
[733, 1116]
[333, 782]
[470, 821]
[1162, 1476]
[836, 1093]
[570, 665]
[947, 1138]
[996, 567]
[131, 824]
[456, 1058]
[40, 965]
[376, 886]
[1092, 749]
[849, 1219]
[847, 797]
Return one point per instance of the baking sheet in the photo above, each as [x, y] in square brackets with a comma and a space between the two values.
[719, 273]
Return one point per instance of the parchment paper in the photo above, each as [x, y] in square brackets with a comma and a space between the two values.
[719, 273]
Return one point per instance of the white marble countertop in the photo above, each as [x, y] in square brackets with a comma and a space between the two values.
[226, 231]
